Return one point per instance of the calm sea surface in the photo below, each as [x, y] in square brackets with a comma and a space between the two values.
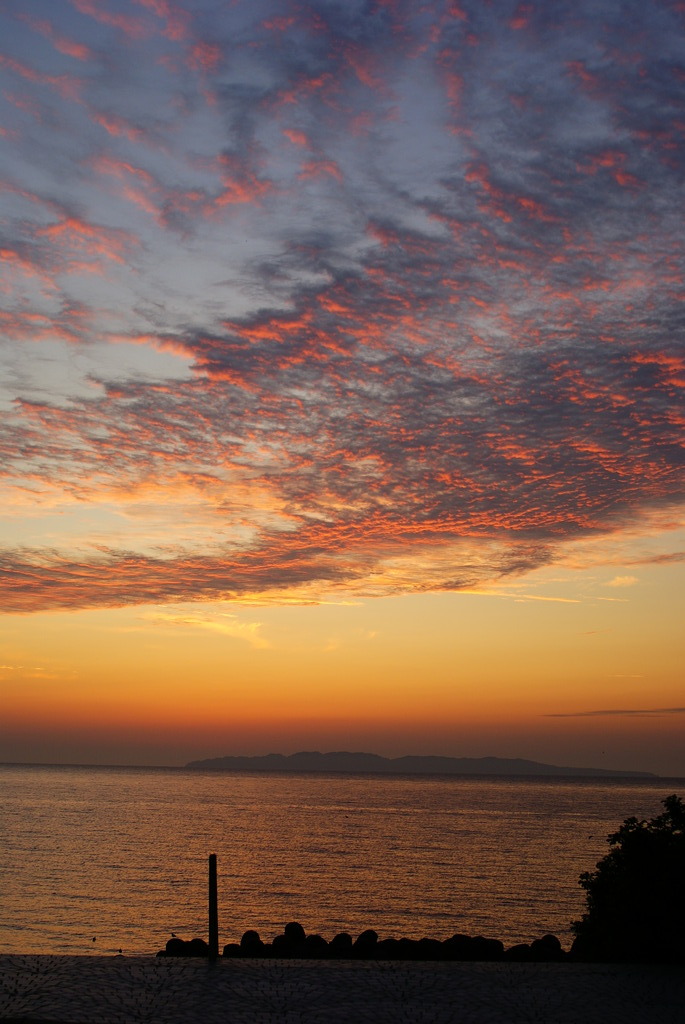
[120, 854]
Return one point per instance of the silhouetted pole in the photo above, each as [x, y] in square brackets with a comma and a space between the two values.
[213, 910]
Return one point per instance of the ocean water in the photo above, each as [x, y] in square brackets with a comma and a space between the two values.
[97, 860]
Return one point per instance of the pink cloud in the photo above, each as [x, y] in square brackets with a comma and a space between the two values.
[62, 43]
[320, 168]
[134, 28]
[68, 86]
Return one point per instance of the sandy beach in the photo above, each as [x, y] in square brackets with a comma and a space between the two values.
[146, 990]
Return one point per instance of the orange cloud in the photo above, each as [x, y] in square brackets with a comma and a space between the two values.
[96, 240]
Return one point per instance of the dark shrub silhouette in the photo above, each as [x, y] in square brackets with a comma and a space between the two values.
[636, 897]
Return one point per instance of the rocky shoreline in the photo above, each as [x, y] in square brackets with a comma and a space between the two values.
[295, 944]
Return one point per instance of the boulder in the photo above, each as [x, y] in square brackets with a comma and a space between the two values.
[315, 946]
[520, 953]
[232, 949]
[365, 944]
[546, 950]
[340, 945]
[251, 944]
[294, 932]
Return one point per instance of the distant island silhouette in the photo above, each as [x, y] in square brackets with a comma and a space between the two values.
[412, 764]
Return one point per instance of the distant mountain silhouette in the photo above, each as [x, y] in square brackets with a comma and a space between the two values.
[344, 761]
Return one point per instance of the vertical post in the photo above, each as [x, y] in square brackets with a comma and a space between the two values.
[213, 910]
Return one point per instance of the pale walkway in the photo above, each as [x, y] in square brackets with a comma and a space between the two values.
[145, 990]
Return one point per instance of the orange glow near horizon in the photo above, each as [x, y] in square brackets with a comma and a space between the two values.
[537, 671]
[341, 397]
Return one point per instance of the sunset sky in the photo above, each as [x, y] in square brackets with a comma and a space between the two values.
[342, 356]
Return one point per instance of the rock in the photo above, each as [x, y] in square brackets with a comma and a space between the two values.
[365, 944]
[520, 953]
[546, 950]
[488, 949]
[389, 949]
[429, 949]
[281, 946]
[175, 947]
[294, 932]
[232, 949]
[197, 947]
[251, 944]
[340, 945]
[477, 947]
[459, 947]
[315, 946]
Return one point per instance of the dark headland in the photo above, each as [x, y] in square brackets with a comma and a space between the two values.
[412, 764]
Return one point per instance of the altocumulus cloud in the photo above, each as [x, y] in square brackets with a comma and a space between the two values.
[422, 269]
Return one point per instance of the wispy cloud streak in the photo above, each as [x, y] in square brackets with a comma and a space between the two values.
[621, 711]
